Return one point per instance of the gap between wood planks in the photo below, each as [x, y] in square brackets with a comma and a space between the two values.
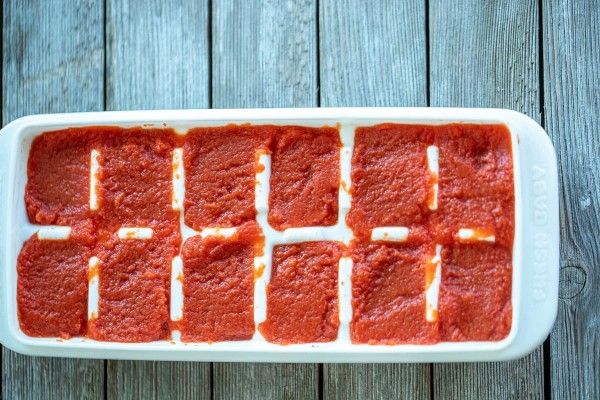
[546, 346]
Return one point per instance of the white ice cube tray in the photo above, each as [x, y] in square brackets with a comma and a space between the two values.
[535, 250]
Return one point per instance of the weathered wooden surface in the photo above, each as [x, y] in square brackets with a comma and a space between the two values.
[268, 60]
[264, 54]
[53, 61]
[376, 381]
[485, 54]
[157, 54]
[271, 53]
[373, 54]
[157, 57]
[265, 381]
[53, 57]
[571, 40]
[157, 380]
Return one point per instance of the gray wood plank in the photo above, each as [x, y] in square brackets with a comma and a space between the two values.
[373, 54]
[376, 381]
[571, 36]
[53, 61]
[267, 60]
[157, 57]
[53, 57]
[26, 377]
[485, 54]
[157, 54]
[265, 381]
[158, 380]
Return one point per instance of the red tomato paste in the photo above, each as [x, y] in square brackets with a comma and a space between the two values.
[302, 304]
[135, 181]
[52, 287]
[58, 177]
[475, 293]
[388, 289]
[389, 177]
[134, 285]
[218, 287]
[220, 174]
[391, 186]
[134, 190]
[476, 182]
[304, 177]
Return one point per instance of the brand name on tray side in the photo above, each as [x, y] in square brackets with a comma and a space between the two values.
[540, 237]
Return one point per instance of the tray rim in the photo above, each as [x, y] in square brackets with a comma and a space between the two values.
[521, 127]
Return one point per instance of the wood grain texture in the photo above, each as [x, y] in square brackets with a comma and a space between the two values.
[265, 381]
[44, 378]
[158, 380]
[53, 57]
[53, 61]
[157, 54]
[485, 54]
[571, 36]
[157, 57]
[376, 381]
[373, 54]
[264, 55]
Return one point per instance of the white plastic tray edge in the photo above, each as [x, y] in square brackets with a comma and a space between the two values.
[536, 293]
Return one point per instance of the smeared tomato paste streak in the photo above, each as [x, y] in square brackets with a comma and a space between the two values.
[345, 296]
[94, 170]
[93, 281]
[178, 180]
[433, 271]
[433, 175]
[390, 234]
[470, 235]
[434, 264]
[176, 310]
[263, 248]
